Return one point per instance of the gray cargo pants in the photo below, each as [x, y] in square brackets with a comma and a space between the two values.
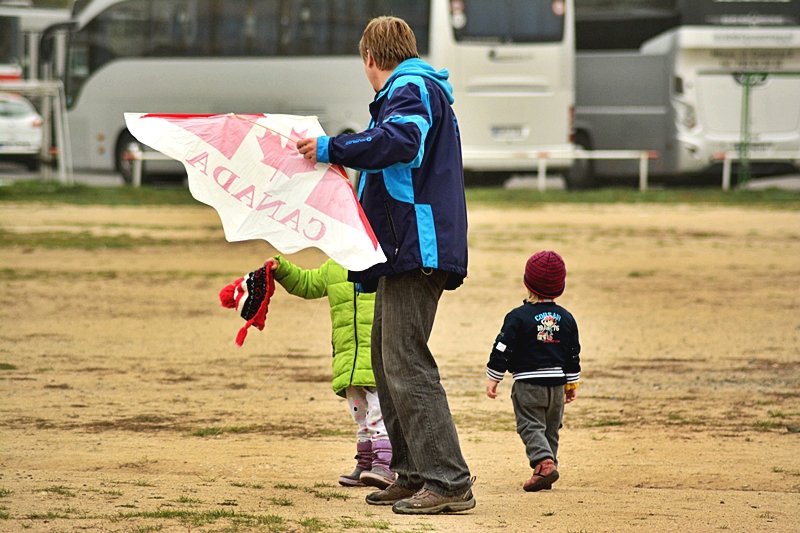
[539, 410]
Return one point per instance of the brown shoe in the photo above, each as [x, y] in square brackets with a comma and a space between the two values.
[425, 501]
[390, 495]
[544, 475]
[539, 482]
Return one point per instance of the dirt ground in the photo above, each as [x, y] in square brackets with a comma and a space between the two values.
[126, 407]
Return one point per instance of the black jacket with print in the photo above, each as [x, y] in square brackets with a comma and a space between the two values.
[539, 344]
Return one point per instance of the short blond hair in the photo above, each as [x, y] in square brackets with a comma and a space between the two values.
[390, 41]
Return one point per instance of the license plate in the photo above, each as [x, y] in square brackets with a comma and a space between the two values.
[754, 147]
[509, 133]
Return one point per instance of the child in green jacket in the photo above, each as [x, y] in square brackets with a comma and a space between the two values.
[351, 318]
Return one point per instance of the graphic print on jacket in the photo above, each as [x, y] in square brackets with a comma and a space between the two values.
[547, 325]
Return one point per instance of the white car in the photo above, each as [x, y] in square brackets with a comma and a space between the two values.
[20, 131]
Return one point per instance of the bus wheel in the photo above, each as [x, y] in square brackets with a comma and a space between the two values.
[581, 174]
[127, 145]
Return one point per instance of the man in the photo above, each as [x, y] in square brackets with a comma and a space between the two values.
[412, 191]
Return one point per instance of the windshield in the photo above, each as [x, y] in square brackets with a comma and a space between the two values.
[508, 21]
[9, 35]
[12, 108]
[229, 28]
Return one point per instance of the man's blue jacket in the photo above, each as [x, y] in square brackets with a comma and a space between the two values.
[412, 179]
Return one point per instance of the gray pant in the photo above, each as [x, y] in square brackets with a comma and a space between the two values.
[426, 451]
[539, 410]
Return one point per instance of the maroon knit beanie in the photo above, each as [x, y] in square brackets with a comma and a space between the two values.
[545, 273]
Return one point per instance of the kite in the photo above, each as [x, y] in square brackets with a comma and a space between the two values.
[248, 169]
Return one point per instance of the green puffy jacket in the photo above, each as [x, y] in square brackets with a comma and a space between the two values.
[351, 318]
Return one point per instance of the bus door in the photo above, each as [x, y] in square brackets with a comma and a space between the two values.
[508, 72]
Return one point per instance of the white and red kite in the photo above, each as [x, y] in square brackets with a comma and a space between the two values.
[247, 167]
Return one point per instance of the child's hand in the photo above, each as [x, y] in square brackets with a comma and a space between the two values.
[570, 395]
[274, 265]
[491, 388]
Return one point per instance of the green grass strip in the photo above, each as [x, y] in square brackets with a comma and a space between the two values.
[54, 192]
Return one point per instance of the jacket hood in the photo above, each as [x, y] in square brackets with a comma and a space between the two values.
[418, 67]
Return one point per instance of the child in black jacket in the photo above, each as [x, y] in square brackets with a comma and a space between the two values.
[539, 346]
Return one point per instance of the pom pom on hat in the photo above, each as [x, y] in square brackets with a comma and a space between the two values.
[545, 274]
[227, 296]
[250, 295]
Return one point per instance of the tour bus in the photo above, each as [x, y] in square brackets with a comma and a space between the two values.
[688, 79]
[511, 64]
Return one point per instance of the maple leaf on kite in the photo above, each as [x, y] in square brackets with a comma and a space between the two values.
[287, 161]
[234, 163]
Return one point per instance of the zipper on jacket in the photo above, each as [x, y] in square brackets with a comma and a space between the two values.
[391, 227]
[355, 332]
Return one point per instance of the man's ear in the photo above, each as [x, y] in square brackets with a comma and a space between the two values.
[369, 61]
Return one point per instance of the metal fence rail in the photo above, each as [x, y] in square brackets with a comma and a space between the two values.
[728, 158]
[541, 157]
[137, 157]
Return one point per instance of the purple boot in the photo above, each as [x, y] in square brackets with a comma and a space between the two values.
[380, 475]
[363, 458]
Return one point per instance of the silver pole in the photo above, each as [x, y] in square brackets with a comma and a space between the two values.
[541, 178]
[643, 164]
[726, 171]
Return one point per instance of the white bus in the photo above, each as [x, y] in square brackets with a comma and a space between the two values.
[689, 79]
[511, 65]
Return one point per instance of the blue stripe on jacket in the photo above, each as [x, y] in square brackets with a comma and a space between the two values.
[413, 199]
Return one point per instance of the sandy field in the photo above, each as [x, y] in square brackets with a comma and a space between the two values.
[125, 405]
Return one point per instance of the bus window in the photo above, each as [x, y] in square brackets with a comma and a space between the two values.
[417, 14]
[8, 40]
[246, 27]
[508, 21]
[122, 31]
[178, 28]
[304, 28]
[324, 27]
[622, 24]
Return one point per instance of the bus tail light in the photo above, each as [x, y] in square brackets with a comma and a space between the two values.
[677, 85]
